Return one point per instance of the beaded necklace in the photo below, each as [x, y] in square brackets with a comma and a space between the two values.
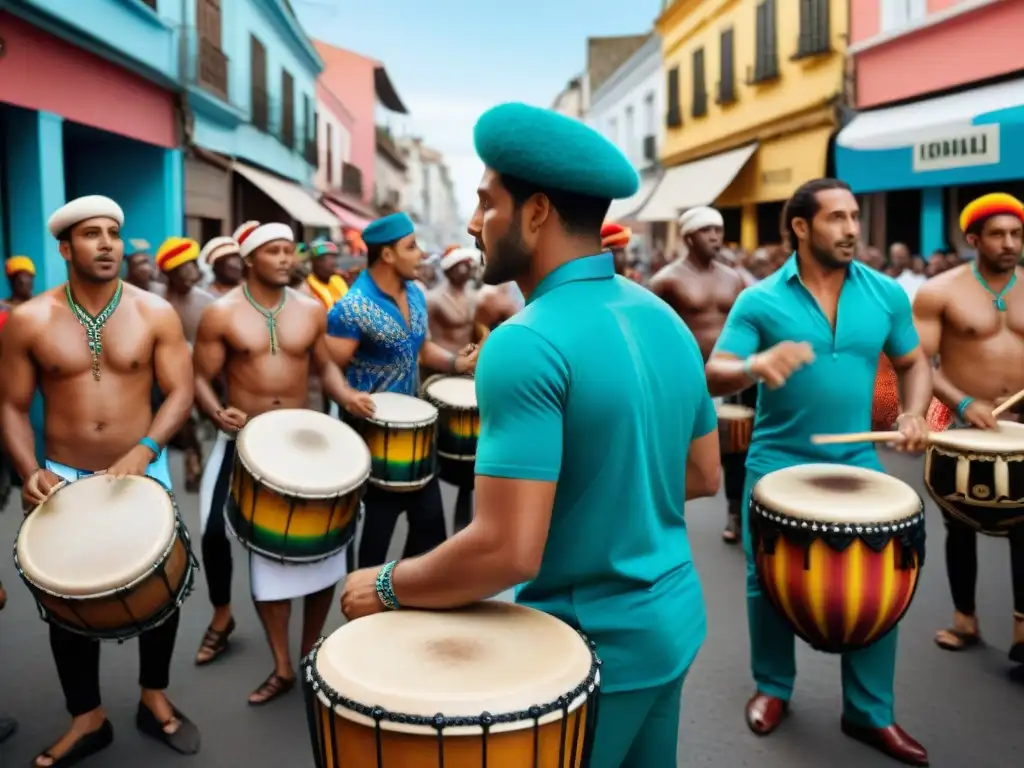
[997, 298]
[93, 325]
[269, 314]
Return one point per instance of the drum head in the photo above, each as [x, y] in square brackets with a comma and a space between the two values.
[835, 493]
[456, 391]
[730, 412]
[96, 534]
[304, 453]
[492, 657]
[1007, 438]
[402, 410]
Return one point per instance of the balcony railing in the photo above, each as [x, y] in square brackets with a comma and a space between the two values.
[351, 180]
[213, 68]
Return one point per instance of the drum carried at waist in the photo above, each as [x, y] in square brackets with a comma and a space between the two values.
[838, 551]
[297, 485]
[977, 476]
[495, 685]
[106, 558]
[401, 439]
[458, 425]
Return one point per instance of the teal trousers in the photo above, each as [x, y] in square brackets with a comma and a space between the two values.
[868, 674]
[639, 729]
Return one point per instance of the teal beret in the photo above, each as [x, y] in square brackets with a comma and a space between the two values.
[553, 151]
[388, 229]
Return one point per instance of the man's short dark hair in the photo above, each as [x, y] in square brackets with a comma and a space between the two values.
[804, 204]
[374, 251]
[978, 226]
[580, 214]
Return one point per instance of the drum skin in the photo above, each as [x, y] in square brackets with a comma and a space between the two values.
[839, 591]
[402, 458]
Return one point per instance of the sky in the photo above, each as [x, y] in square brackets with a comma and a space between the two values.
[450, 60]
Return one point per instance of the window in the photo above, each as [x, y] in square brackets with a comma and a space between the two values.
[649, 119]
[674, 113]
[815, 37]
[212, 67]
[630, 132]
[260, 104]
[727, 68]
[766, 61]
[311, 122]
[613, 131]
[329, 141]
[287, 110]
[700, 90]
[898, 14]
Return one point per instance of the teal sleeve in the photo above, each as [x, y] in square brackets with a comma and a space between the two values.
[902, 339]
[741, 336]
[521, 387]
[707, 417]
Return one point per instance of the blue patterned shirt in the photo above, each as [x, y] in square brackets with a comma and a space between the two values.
[388, 353]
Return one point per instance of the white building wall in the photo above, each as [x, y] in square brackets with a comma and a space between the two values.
[389, 179]
[341, 143]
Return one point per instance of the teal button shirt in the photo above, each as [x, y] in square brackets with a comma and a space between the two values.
[599, 387]
[834, 393]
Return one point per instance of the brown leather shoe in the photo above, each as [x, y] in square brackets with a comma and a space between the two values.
[892, 741]
[765, 713]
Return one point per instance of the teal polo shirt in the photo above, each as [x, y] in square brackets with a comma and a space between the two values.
[599, 387]
[834, 393]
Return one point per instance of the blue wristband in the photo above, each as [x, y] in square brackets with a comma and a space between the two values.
[385, 592]
[151, 444]
[962, 406]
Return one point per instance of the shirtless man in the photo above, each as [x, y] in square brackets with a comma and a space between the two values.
[495, 304]
[21, 275]
[98, 416]
[973, 317]
[139, 269]
[221, 255]
[264, 372]
[702, 290]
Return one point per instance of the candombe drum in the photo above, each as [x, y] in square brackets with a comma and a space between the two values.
[735, 427]
[838, 551]
[976, 476]
[106, 558]
[401, 439]
[458, 423]
[494, 685]
[298, 481]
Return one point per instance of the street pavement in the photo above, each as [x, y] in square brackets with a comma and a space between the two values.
[968, 709]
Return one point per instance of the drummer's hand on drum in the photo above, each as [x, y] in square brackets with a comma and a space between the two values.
[359, 595]
[774, 366]
[465, 361]
[979, 414]
[135, 462]
[360, 404]
[915, 433]
[37, 488]
[230, 419]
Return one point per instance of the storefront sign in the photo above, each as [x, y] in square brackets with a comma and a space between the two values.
[971, 147]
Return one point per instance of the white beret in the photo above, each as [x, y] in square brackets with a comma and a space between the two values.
[253, 238]
[698, 218]
[82, 209]
[217, 247]
[458, 256]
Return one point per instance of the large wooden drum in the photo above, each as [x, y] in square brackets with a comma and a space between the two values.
[458, 426]
[298, 481]
[106, 558]
[735, 427]
[838, 551]
[977, 476]
[401, 438]
[491, 686]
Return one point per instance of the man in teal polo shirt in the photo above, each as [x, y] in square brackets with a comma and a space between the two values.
[810, 335]
[594, 391]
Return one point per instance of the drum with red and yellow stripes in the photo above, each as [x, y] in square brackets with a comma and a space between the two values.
[838, 551]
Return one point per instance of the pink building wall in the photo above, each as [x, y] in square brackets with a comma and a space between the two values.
[41, 72]
[349, 77]
[936, 57]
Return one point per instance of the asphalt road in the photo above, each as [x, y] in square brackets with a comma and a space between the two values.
[967, 709]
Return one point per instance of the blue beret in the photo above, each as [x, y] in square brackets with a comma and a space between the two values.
[553, 151]
[388, 229]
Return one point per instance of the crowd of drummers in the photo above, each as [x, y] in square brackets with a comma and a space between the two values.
[340, 401]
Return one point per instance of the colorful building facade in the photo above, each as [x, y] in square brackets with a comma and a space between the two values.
[752, 96]
[940, 94]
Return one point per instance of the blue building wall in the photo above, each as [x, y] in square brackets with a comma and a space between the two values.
[226, 127]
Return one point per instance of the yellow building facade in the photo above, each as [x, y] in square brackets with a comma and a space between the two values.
[753, 89]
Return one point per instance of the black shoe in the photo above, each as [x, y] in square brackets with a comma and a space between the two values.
[185, 740]
[87, 746]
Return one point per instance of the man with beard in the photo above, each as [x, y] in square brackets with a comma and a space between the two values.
[139, 270]
[809, 336]
[263, 337]
[95, 347]
[702, 290]
[592, 401]
[379, 335]
[323, 282]
[973, 317]
[222, 256]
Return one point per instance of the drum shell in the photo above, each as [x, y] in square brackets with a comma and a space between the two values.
[984, 490]
[458, 428]
[402, 457]
[288, 527]
[839, 590]
[734, 435]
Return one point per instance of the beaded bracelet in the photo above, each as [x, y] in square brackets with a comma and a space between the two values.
[963, 405]
[386, 592]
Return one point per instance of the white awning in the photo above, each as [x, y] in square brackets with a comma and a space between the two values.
[297, 203]
[627, 208]
[930, 119]
[699, 182]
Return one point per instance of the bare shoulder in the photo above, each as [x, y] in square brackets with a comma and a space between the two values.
[146, 301]
[666, 278]
[304, 300]
[35, 314]
[942, 286]
[728, 273]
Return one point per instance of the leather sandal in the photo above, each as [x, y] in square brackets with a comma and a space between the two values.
[215, 642]
[274, 687]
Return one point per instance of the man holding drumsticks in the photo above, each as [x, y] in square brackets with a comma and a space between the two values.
[810, 336]
[973, 317]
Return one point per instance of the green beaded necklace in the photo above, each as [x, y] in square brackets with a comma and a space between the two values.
[997, 298]
[269, 314]
[94, 325]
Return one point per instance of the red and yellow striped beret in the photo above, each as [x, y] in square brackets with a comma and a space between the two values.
[615, 236]
[995, 204]
[176, 251]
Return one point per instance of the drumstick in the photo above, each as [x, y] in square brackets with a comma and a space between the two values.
[857, 437]
[1007, 404]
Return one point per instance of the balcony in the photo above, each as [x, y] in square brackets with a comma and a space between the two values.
[387, 147]
[351, 180]
[212, 73]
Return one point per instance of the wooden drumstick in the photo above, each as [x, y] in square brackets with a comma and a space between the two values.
[1007, 404]
[857, 437]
